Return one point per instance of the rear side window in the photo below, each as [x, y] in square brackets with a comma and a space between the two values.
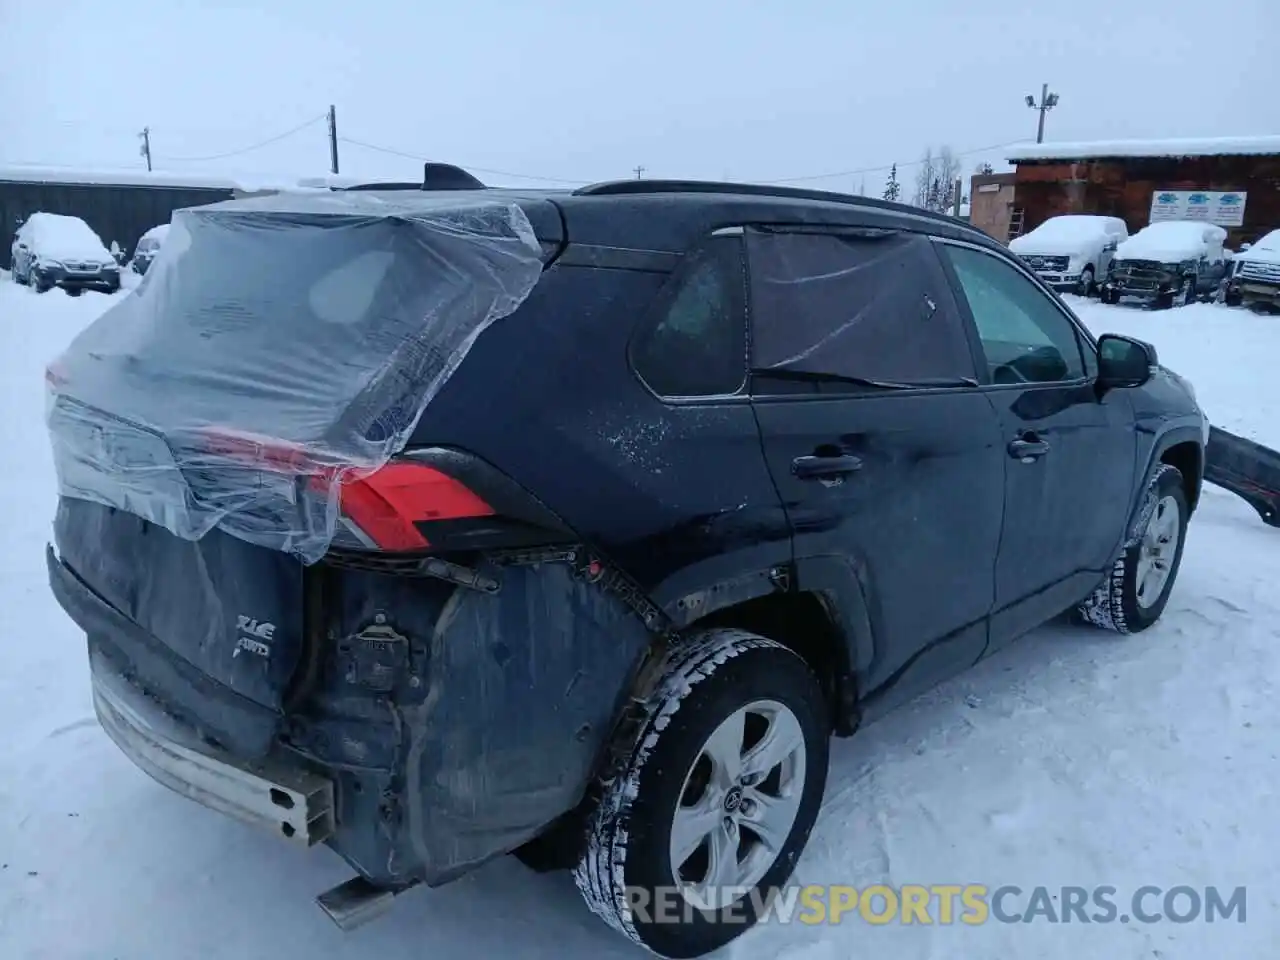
[872, 305]
[694, 344]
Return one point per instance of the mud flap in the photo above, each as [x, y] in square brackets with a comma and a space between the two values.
[1249, 470]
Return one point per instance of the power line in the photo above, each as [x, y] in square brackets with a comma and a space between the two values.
[255, 146]
[912, 163]
[419, 157]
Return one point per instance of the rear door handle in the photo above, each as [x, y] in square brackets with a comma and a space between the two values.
[814, 468]
[1028, 450]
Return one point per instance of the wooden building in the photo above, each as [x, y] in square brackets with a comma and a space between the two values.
[1231, 181]
[991, 204]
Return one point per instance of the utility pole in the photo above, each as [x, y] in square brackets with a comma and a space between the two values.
[1047, 102]
[333, 139]
[639, 171]
[956, 194]
[145, 149]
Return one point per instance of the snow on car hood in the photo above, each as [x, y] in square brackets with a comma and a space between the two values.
[1266, 250]
[68, 238]
[1170, 242]
[1062, 236]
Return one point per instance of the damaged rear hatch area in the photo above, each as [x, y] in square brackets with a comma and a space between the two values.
[278, 352]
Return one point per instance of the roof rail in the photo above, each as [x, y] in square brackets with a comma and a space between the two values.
[611, 188]
[382, 185]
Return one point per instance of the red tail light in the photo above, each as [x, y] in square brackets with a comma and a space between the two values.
[381, 509]
[387, 505]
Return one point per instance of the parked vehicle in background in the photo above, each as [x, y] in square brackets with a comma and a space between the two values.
[53, 250]
[1071, 252]
[1170, 263]
[148, 247]
[1255, 274]
[329, 588]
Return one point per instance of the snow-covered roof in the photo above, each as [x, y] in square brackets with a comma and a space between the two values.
[1170, 241]
[1182, 147]
[143, 178]
[123, 178]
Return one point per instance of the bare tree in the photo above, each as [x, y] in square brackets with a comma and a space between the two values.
[984, 170]
[935, 179]
[925, 175]
[947, 170]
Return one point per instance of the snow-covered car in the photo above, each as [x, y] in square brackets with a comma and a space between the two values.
[1170, 263]
[148, 247]
[1255, 274]
[1071, 251]
[53, 250]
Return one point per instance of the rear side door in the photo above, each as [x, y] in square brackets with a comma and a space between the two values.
[1070, 456]
[895, 492]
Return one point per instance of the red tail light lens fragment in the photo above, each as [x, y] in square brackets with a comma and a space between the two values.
[386, 505]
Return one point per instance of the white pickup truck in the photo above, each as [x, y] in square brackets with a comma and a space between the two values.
[1071, 252]
[1255, 274]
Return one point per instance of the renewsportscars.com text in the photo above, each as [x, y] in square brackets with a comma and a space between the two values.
[944, 904]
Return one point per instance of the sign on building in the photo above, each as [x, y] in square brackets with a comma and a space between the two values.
[1224, 209]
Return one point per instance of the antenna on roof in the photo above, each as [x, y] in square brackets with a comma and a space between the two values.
[445, 176]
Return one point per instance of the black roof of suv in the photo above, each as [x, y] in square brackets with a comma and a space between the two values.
[440, 524]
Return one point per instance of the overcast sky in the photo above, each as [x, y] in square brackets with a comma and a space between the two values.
[581, 91]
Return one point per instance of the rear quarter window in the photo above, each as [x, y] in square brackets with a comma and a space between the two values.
[693, 343]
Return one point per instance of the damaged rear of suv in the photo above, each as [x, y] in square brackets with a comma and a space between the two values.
[434, 525]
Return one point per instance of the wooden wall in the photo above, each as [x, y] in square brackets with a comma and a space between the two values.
[1124, 187]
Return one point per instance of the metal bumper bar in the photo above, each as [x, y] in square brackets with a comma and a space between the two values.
[291, 803]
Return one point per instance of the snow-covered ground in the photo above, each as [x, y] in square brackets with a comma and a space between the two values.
[1072, 758]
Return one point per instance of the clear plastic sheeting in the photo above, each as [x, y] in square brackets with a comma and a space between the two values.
[278, 347]
[863, 303]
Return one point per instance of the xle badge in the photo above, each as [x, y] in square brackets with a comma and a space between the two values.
[253, 636]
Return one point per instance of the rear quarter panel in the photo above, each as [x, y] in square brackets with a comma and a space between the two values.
[679, 496]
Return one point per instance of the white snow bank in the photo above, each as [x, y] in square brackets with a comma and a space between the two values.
[1181, 147]
[1171, 241]
[54, 236]
[1067, 234]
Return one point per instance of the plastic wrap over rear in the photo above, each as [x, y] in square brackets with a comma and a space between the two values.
[276, 348]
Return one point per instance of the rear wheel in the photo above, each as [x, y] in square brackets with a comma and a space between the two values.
[715, 798]
[1135, 592]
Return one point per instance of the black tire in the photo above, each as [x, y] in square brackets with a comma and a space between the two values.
[708, 678]
[1115, 604]
[1107, 296]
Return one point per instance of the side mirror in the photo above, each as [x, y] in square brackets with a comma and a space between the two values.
[1124, 361]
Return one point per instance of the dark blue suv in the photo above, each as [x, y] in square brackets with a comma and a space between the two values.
[439, 524]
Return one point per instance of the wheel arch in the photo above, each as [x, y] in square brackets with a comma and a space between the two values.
[816, 609]
[1181, 447]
